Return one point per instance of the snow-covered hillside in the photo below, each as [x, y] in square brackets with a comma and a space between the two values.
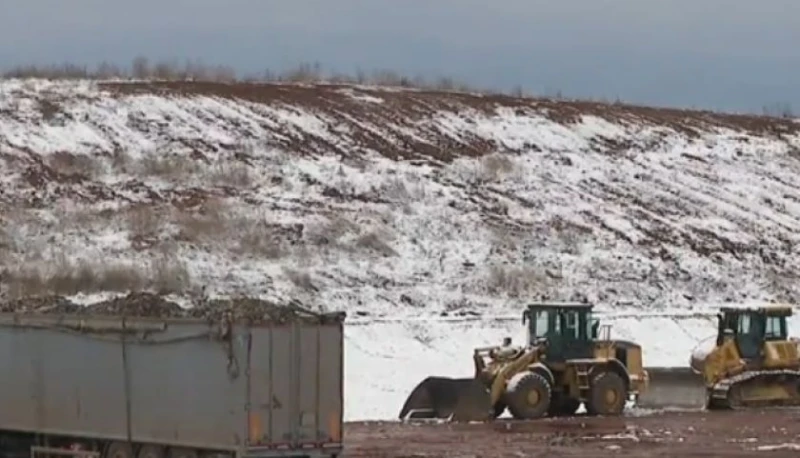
[386, 202]
[395, 204]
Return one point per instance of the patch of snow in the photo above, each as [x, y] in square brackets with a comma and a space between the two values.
[360, 96]
[784, 446]
[376, 390]
[620, 436]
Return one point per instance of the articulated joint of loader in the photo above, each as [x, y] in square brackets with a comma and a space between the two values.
[640, 382]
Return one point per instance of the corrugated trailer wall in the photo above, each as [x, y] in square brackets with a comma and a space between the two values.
[296, 391]
[253, 390]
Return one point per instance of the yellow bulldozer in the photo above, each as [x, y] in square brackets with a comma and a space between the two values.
[753, 362]
[563, 364]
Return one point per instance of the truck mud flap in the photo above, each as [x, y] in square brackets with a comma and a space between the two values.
[673, 387]
[455, 399]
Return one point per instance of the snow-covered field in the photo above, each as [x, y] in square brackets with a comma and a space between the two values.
[408, 209]
[386, 360]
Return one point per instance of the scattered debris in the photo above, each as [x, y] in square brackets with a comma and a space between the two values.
[144, 304]
[667, 434]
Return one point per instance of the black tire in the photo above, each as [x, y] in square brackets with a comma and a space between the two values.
[119, 450]
[151, 451]
[528, 396]
[498, 409]
[710, 404]
[563, 406]
[182, 452]
[607, 395]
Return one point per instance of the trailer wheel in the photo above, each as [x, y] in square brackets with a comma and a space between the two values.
[180, 452]
[119, 450]
[151, 451]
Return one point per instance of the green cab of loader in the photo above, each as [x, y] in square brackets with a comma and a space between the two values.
[567, 329]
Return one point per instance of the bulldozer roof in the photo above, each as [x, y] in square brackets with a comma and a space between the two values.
[625, 343]
[767, 309]
[584, 305]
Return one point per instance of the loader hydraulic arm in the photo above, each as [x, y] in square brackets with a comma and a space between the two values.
[507, 371]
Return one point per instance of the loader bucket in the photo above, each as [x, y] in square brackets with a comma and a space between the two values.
[673, 387]
[457, 399]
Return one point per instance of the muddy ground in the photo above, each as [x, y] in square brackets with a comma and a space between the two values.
[761, 433]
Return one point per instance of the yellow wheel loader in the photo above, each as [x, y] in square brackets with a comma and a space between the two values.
[753, 362]
[563, 365]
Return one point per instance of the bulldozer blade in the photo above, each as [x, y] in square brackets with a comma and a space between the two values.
[673, 387]
[456, 399]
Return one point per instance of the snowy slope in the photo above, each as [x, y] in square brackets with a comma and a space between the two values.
[611, 205]
[398, 204]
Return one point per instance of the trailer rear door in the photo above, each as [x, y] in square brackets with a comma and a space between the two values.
[295, 385]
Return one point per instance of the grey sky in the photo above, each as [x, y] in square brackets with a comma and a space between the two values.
[728, 54]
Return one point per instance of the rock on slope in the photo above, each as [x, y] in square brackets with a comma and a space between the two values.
[391, 202]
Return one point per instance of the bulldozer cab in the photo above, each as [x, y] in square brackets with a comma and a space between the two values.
[751, 327]
[567, 329]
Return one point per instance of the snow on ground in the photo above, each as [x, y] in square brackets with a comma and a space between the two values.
[385, 361]
[403, 208]
[776, 447]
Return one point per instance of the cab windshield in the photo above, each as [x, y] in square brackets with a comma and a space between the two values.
[540, 325]
[571, 324]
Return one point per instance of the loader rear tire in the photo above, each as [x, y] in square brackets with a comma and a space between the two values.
[151, 451]
[119, 450]
[183, 452]
[607, 394]
[528, 395]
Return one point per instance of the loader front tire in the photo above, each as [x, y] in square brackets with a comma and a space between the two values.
[119, 449]
[607, 394]
[528, 396]
[498, 409]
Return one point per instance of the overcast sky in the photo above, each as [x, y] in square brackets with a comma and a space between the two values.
[726, 54]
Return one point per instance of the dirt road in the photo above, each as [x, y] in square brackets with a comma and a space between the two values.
[764, 433]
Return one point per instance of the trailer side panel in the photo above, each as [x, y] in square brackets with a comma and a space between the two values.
[188, 388]
[253, 390]
[296, 396]
[60, 382]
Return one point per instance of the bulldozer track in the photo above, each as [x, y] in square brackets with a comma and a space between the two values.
[720, 397]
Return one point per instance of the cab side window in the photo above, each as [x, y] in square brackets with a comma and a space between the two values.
[744, 325]
[541, 324]
[774, 328]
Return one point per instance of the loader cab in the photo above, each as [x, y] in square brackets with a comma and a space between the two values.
[567, 329]
[751, 327]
